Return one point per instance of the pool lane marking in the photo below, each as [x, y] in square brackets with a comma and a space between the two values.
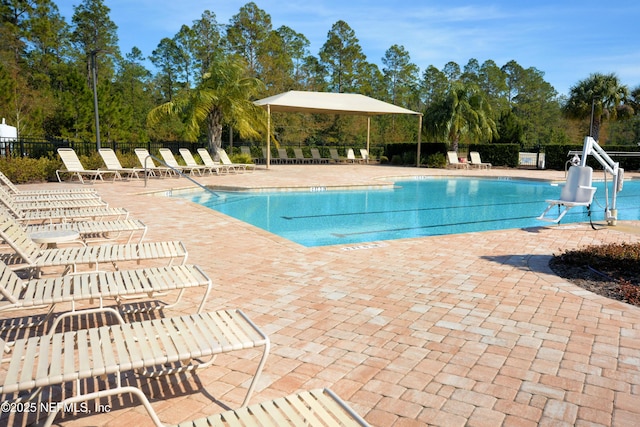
[389, 230]
[402, 210]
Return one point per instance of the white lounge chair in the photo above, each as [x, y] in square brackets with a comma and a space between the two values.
[74, 168]
[351, 157]
[314, 408]
[38, 203]
[90, 231]
[365, 155]
[149, 165]
[123, 285]
[477, 162]
[29, 255]
[59, 213]
[226, 161]
[452, 159]
[58, 193]
[576, 192]
[112, 163]
[191, 342]
[171, 161]
[191, 162]
[208, 160]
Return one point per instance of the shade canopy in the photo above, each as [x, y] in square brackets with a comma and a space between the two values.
[330, 103]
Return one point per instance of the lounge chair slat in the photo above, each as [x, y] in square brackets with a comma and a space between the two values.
[55, 374]
[85, 355]
[97, 356]
[68, 356]
[153, 342]
[28, 364]
[109, 350]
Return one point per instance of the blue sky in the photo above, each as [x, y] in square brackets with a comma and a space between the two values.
[565, 39]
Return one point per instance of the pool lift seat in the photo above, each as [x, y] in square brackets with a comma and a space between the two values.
[576, 192]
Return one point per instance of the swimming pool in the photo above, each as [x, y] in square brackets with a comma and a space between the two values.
[419, 207]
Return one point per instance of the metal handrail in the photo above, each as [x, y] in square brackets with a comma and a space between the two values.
[179, 172]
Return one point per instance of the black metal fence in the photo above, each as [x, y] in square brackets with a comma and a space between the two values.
[37, 148]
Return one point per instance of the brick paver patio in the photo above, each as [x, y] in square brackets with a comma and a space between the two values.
[470, 329]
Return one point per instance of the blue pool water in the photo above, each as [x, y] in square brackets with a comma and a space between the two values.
[415, 208]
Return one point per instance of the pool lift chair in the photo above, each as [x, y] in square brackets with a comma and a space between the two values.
[578, 190]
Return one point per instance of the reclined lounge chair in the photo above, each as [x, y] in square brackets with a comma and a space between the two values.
[208, 160]
[74, 168]
[314, 408]
[191, 162]
[226, 161]
[27, 203]
[144, 346]
[19, 294]
[452, 160]
[149, 165]
[171, 161]
[476, 161]
[66, 193]
[91, 231]
[29, 255]
[317, 158]
[113, 164]
[61, 214]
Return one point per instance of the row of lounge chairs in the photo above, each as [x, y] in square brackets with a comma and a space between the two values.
[171, 167]
[316, 158]
[474, 161]
[152, 347]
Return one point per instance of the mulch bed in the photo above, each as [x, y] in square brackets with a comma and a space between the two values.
[603, 271]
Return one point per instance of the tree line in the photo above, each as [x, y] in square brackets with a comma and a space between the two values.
[48, 66]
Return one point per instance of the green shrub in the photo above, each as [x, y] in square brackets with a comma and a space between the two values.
[396, 160]
[436, 160]
[240, 158]
[21, 170]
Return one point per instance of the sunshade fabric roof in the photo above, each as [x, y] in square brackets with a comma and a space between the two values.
[327, 103]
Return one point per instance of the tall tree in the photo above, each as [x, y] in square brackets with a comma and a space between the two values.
[207, 40]
[296, 46]
[224, 96]
[94, 33]
[597, 96]
[492, 80]
[400, 74]
[342, 57]
[452, 71]
[433, 85]
[245, 34]
[463, 112]
[166, 57]
[185, 43]
[133, 82]
[471, 72]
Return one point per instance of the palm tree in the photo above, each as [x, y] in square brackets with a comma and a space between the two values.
[462, 111]
[598, 96]
[224, 96]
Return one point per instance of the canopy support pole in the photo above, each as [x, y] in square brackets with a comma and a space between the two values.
[419, 139]
[368, 135]
[268, 159]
